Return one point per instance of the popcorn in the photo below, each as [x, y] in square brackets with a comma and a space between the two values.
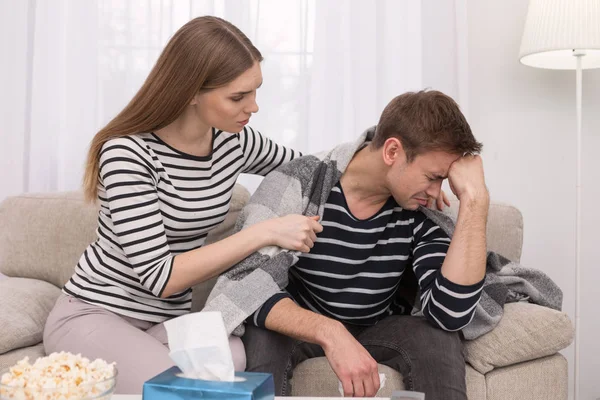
[63, 376]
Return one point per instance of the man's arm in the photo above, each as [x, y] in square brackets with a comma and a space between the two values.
[451, 272]
[288, 318]
[350, 361]
[466, 257]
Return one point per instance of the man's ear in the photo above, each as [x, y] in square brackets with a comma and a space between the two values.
[393, 151]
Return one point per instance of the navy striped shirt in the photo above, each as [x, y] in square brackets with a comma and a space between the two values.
[353, 272]
[155, 203]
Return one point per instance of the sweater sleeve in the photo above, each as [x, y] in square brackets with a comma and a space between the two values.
[261, 154]
[260, 316]
[446, 304]
[133, 222]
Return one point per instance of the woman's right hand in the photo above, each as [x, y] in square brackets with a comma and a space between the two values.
[294, 232]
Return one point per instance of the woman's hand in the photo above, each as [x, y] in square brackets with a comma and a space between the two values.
[293, 232]
[439, 202]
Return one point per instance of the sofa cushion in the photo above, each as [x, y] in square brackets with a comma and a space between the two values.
[504, 228]
[525, 332]
[9, 359]
[24, 307]
[475, 384]
[315, 378]
[541, 379]
[43, 235]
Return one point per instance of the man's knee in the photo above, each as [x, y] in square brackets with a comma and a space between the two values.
[429, 359]
[435, 344]
[271, 352]
[440, 362]
[419, 339]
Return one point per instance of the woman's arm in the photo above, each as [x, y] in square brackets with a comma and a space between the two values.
[135, 225]
[292, 232]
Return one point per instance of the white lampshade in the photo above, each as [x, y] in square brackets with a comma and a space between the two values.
[555, 29]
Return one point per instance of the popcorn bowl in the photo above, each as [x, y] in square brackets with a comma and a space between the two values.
[100, 390]
[61, 376]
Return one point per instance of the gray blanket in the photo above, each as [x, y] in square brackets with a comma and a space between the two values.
[302, 186]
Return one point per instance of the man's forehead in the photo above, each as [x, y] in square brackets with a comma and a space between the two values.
[437, 162]
[438, 157]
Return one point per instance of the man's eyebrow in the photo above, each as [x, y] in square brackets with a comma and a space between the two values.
[250, 91]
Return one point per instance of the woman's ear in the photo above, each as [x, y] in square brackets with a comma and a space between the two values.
[194, 100]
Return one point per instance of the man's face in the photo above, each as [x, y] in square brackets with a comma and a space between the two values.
[411, 184]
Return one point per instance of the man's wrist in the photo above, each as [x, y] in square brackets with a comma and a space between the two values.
[327, 333]
[475, 200]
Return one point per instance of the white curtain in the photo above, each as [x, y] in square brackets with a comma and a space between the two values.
[330, 67]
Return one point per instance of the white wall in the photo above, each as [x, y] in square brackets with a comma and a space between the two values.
[590, 275]
[12, 97]
[526, 120]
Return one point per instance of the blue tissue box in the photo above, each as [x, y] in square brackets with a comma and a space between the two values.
[169, 386]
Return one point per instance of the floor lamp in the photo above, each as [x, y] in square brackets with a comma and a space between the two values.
[565, 34]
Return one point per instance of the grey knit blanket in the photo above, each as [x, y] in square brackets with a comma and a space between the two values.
[302, 186]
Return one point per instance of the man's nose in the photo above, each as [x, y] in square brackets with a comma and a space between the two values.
[434, 189]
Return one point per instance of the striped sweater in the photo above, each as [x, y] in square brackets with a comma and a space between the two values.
[155, 203]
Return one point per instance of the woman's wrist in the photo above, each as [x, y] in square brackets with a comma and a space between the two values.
[263, 233]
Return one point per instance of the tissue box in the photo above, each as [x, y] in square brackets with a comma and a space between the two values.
[247, 386]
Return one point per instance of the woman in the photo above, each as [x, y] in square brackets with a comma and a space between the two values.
[163, 171]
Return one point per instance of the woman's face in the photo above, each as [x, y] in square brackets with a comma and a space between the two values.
[230, 107]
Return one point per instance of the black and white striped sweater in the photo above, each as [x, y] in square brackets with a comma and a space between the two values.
[155, 203]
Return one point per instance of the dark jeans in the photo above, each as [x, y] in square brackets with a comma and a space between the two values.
[429, 359]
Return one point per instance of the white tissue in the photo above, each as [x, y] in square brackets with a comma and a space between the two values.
[200, 347]
[381, 384]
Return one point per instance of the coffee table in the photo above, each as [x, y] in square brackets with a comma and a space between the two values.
[139, 397]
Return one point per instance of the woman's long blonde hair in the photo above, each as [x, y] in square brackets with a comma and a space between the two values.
[205, 53]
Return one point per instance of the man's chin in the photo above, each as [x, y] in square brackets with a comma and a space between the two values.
[412, 205]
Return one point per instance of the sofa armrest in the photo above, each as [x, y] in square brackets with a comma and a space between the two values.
[24, 308]
[525, 332]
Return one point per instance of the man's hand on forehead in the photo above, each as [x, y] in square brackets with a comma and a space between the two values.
[466, 178]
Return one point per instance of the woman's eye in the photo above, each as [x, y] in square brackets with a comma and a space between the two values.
[237, 98]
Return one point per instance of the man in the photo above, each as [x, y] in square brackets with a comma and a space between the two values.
[342, 300]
